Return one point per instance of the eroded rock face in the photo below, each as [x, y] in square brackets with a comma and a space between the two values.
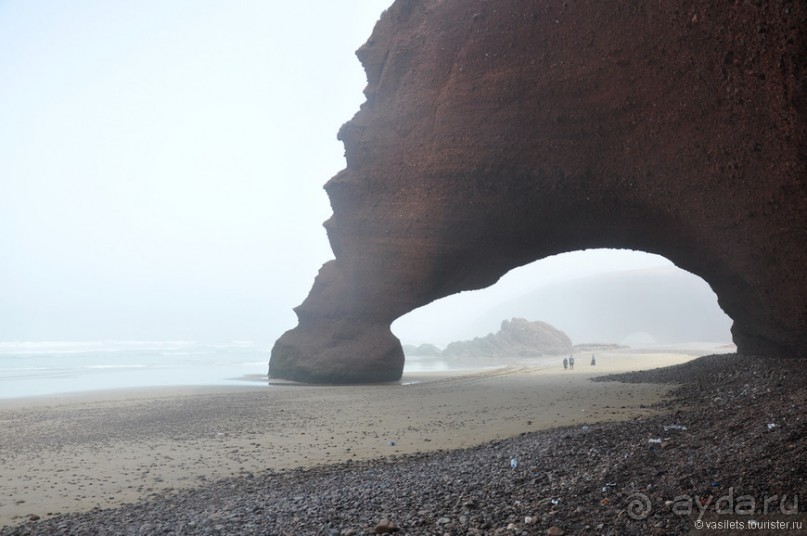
[499, 132]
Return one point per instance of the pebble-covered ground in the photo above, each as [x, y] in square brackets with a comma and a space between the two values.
[732, 449]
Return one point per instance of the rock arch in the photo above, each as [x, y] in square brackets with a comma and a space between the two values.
[499, 132]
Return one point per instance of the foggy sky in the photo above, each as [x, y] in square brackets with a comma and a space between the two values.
[659, 304]
[162, 163]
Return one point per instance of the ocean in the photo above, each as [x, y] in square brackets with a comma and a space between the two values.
[48, 368]
[43, 368]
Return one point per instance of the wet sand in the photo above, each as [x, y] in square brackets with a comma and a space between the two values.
[103, 449]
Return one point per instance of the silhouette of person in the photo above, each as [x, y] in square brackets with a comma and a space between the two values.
[571, 362]
[593, 360]
[565, 363]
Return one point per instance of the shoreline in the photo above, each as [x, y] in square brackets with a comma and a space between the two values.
[104, 449]
[731, 431]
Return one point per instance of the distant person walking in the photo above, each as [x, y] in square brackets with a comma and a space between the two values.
[571, 362]
[593, 360]
[565, 363]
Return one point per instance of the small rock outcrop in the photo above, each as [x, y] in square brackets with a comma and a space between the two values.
[517, 338]
[499, 132]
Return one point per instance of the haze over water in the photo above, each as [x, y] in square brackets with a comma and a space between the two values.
[54, 367]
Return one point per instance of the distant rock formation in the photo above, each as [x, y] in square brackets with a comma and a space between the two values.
[496, 133]
[423, 350]
[517, 338]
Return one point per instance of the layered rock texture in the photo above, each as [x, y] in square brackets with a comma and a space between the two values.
[499, 132]
[517, 338]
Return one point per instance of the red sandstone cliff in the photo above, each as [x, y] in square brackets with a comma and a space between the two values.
[499, 132]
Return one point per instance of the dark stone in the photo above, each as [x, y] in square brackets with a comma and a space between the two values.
[500, 132]
[385, 526]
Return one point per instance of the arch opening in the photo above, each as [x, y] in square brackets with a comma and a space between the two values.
[598, 296]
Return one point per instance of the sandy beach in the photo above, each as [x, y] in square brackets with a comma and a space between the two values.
[103, 449]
